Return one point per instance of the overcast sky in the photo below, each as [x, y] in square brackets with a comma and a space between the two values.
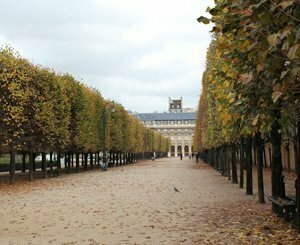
[135, 52]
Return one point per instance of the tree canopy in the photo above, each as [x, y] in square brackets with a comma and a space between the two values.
[43, 111]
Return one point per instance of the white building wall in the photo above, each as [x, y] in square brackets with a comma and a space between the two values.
[180, 132]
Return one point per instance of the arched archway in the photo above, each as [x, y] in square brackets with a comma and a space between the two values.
[172, 151]
[186, 150]
[179, 150]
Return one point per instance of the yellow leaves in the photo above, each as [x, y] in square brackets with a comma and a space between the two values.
[231, 100]
[55, 110]
[260, 67]
[226, 84]
[225, 67]
[276, 95]
[255, 120]
[244, 45]
[226, 118]
[246, 78]
[294, 52]
[285, 3]
[225, 10]
[274, 39]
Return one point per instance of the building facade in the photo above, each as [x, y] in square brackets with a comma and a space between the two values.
[178, 124]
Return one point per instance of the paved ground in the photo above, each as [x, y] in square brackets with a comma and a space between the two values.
[134, 204]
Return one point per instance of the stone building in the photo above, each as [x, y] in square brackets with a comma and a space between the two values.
[178, 124]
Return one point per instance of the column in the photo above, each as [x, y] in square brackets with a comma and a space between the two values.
[176, 153]
[182, 143]
[190, 144]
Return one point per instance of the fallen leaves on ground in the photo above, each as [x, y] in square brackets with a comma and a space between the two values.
[246, 222]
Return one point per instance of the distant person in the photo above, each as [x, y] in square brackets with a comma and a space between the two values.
[181, 156]
[197, 157]
[153, 156]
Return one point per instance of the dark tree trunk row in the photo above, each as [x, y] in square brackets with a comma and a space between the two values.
[119, 159]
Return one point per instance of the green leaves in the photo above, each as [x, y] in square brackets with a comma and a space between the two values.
[203, 20]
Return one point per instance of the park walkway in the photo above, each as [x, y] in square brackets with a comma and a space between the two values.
[137, 204]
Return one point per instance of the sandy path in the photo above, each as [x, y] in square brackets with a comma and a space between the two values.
[125, 205]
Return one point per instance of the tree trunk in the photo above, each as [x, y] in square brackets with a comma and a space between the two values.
[69, 160]
[85, 161]
[44, 167]
[12, 167]
[91, 160]
[242, 163]
[233, 164]
[260, 178]
[51, 161]
[298, 176]
[34, 163]
[254, 155]
[23, 162]
[270, 156]
[98, 159]
[77, 162]
[72, 159]
[265, 157]
[66, 160]
[288, 157]
[221, 160]
[276, 158]
[224, 160]
[216, 165]
[249, 184]
[58, 160]
[30, 166]
[227, 162]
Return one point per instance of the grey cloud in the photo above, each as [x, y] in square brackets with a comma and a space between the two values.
[132, 51]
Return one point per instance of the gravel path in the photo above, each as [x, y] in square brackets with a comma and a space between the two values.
[133, 204]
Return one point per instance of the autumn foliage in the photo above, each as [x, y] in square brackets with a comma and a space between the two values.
[251, 88]
[44, 111]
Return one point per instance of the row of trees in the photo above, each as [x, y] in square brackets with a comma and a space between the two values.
[42, 111]
[250, 88]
